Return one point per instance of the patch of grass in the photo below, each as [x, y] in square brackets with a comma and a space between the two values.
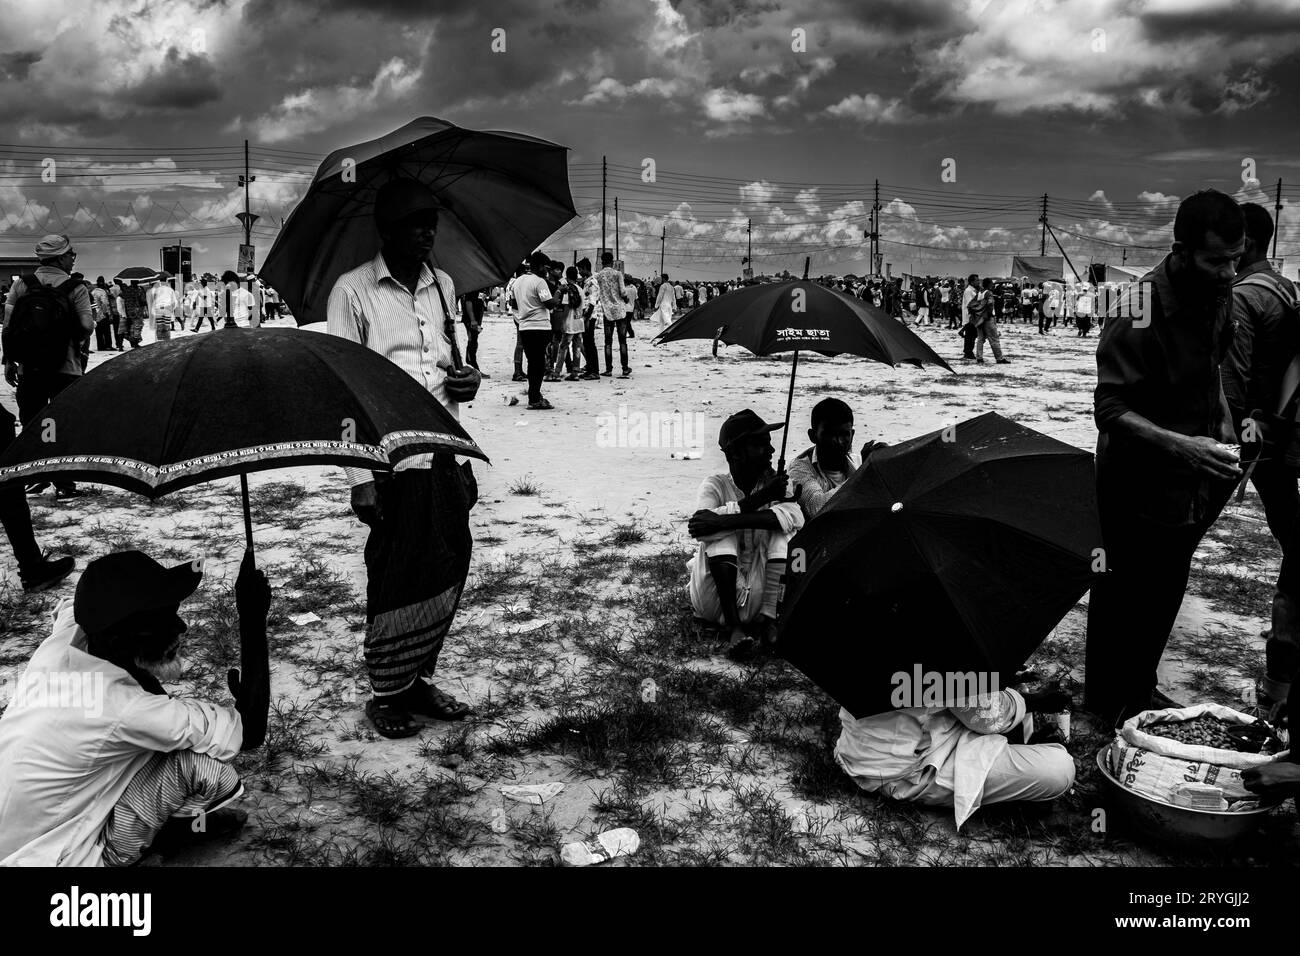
[1243, 594]
[525, 487]
[625, 534]
[491, 581]
[647, 742]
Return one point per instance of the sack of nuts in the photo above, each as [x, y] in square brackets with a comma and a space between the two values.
[1196, 734]
[1180, 783]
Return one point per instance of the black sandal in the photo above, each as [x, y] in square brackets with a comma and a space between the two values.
[390, 720]
[425, 700]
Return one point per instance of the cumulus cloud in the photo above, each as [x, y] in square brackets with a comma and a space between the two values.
[729, 106]
[316, 108]
[756, 193]
[1092, 56]
[869, 108]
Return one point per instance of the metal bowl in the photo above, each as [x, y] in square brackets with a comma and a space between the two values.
[1164, 821]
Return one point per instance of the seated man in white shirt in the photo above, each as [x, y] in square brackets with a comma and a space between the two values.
[97, 762]
[821, 470]
[744, 523]
[955, 756]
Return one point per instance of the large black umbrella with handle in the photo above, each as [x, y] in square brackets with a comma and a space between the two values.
[951, 554]
[501, 195]
[801, 315]
[230, 403]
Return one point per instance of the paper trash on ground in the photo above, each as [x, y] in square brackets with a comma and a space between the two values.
[532, 793]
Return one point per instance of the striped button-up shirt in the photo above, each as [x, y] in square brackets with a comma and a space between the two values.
[369, 306]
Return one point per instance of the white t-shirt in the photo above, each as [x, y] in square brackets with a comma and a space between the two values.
[534, 298]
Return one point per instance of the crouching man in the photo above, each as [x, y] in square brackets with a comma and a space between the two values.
[953, 756]
[97, 761]
[744, 523]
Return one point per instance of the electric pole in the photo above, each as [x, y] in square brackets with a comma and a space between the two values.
[616, 229]
[875, 210]
[1277, 216]
[663, 237]
[602, 204]
[1042, 243]
[749, 247]
[246, 217]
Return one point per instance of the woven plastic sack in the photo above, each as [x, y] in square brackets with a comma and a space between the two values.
[1159, 777]
[1134, 734]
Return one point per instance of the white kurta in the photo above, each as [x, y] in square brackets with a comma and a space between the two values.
[752, 547]
[903, 752]
[77, 731]
[665, 303]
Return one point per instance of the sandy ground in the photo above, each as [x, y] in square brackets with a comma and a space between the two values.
[576, 596]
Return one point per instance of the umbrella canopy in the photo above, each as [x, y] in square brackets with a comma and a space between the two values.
[954, 553]
[136, 272]
[232, 402]
[797, 315]
[803, 315]
[502, 195]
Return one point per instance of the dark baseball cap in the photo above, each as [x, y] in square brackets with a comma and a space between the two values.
[116, 586]
[743, 424]
[400, 199]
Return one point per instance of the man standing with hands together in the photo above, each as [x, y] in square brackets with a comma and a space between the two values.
[418, 551]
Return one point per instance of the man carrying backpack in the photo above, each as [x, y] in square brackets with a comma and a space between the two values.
[1256, 385]
[47, 315]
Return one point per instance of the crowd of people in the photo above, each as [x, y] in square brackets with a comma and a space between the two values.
[560, 311]
[1180, 382]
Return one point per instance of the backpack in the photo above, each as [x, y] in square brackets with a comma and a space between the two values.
[40, 330]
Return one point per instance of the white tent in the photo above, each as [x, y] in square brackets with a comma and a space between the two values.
[1116, 273]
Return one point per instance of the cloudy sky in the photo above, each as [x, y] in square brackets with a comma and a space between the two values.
[779, 115]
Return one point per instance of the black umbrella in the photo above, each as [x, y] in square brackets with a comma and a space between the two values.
[502, 195]
[237, 401]
[953, 553]
[136, 272]
[797, 315]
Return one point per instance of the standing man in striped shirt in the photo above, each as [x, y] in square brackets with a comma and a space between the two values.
[417, 554]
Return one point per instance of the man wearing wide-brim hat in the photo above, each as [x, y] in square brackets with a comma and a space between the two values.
[97, 761]
[744, 522]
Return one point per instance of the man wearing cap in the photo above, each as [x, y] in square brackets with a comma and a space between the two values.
[744, 522]
[417, 554]
[97, 761]
[37, 387]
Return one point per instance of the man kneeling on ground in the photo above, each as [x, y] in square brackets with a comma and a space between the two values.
[97, 761]
[744, 523]
[953, 756]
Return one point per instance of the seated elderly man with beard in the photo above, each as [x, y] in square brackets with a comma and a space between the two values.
[743, 521]
[97, 761]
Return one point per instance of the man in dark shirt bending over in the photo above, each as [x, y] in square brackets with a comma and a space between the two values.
[1164, 471]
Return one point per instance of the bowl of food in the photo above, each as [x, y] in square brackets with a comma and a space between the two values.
[1166, 822]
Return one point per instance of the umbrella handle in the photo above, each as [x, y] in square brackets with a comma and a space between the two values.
[248, 516]
[789, 400]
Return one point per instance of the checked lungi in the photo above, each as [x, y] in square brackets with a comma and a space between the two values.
[417, 559]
